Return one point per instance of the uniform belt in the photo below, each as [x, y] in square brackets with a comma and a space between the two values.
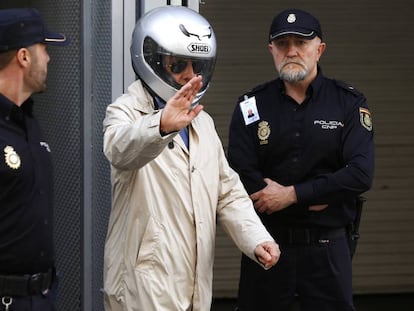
[27, 284]
[307, 236]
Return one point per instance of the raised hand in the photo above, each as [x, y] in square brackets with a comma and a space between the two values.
[177, 112]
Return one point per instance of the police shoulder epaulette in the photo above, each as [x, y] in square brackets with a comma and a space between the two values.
[348, 88]
[254, 90]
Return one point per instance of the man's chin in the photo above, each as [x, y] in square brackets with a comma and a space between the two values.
[41, 90]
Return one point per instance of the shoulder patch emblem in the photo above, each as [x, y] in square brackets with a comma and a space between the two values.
[263, 132]
[365, 118]
[12, 158]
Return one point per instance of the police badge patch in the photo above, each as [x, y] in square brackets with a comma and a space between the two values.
[263, 132]
[365, 118]
[11, 157]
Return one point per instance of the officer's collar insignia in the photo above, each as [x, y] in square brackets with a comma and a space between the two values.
[263, 132]
[12, 158]
[365, 118]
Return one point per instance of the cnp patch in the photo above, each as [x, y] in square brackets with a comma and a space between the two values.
[365, 118]
[12, 158]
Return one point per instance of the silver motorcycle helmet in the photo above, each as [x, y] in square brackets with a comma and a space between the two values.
[177, 32]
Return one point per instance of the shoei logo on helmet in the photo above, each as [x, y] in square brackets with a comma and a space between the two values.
[199, 48]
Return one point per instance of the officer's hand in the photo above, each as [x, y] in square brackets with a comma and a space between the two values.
[177, 112]
[267, 253]
[274, 197]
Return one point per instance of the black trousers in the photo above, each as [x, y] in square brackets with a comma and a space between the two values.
[318, 274]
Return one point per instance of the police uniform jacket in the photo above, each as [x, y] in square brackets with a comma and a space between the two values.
[26, 207]
[166, 200]
[324, 147]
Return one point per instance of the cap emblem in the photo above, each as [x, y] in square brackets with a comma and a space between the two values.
[291, 18]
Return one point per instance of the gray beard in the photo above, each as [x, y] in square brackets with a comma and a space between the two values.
[293, 76]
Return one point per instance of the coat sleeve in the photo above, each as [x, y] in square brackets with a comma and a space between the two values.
[236, 213]
[132, 138]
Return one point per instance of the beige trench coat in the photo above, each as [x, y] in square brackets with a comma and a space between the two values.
[166, 202]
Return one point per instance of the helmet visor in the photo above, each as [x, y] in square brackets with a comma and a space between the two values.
[177, 65]
[176, 70]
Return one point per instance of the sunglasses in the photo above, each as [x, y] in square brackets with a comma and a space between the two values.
[181, 64]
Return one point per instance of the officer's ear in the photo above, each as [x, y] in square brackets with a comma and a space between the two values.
[321, 49]
[23, 57]
[270, 47]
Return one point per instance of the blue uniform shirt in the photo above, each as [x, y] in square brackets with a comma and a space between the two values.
[324, 147]
[26, 241]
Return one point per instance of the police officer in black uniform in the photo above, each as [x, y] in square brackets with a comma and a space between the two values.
[26, 241]
[303, 146]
